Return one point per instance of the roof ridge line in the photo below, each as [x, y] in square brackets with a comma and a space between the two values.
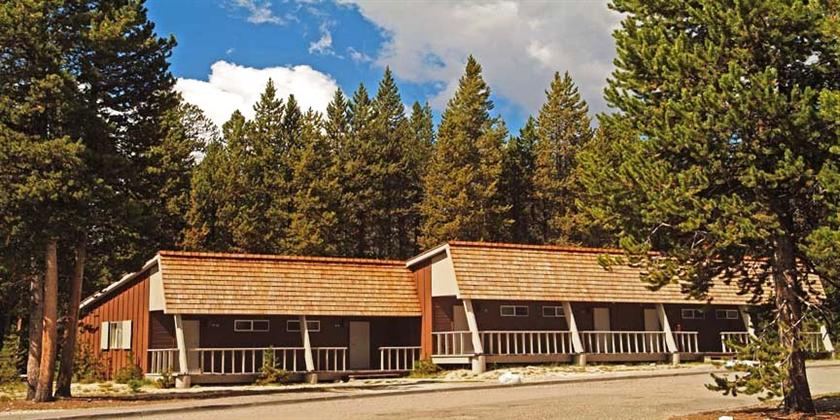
[279, 257]
[566, 248]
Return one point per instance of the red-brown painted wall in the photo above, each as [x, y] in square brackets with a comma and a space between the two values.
[130, 302]
[423, 279]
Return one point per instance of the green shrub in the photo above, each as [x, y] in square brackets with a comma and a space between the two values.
[166, 380]
[135, 384]
[269, 373]
[130, 372]
[87, 368]
[424, 368]
[10, 357]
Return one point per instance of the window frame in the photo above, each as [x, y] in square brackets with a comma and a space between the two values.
[515, 313]
[694, 313]
[313, 325]
[726, 314]
[557, 309]
[252, 325]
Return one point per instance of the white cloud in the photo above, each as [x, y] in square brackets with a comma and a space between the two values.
[259, 11]
[230, 87]
[520, 45]
[358, 56]
[324, 44]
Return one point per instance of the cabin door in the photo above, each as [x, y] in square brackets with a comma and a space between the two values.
[462, 343]
[192, 340]
[652, 320]
[359, 345]
[601, 322]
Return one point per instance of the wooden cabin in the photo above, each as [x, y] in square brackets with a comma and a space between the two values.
[212, 317]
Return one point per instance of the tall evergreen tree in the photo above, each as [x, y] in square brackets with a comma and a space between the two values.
[563, 126]
[516, 186]
[420, 152]
[461, 188]
[314, 224]
[737, 175]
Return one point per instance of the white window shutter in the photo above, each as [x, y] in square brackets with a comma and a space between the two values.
[126, 335]
[103, 335]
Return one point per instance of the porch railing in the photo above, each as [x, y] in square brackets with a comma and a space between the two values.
[526, 342]
[398, 357]
[452, 343]
[727, 338]
[686, 341]
[813, 342]
[163, 360]
[623, 341]
[232, 361]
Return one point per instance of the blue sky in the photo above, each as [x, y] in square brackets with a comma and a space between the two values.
[227, 49]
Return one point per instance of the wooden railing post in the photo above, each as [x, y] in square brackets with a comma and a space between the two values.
[473, 325]
[747, 318]
[826, 340]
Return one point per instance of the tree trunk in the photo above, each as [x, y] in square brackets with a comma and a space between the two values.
[71, 328]
[43, 392]
[797, 393]
[36, 326]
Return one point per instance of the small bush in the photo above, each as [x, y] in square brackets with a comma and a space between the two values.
[10, 357]
[166, 380]
[269, 373]
[130, 372]
[135, 385]
[424, 368]
[87, 368]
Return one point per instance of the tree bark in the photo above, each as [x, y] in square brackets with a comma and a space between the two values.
[797, 393]
[36, 325]
[71, 328]
[43, 391]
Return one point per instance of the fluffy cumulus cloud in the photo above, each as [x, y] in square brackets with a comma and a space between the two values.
[519, 44]
[230, 87]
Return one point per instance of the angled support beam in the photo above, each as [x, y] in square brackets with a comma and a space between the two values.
[473, 324]
[670, 343]
[182, 344]
[747, 318]
[307, 346]
[577, 344]
[826, 339]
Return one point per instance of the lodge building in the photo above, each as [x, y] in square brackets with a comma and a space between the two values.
[214, 317]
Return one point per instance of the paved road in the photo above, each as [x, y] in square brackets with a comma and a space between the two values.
[649, 398]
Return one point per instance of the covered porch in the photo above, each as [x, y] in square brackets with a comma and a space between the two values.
[477, 332]
[229, 349]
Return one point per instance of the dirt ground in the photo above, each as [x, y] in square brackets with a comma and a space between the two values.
[828, 407]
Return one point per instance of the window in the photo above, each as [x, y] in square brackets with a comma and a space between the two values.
[250, 325]
[293, 325]
[726, 314]
[692, 314]
[553, 312]
[513, 310]
[115, 335]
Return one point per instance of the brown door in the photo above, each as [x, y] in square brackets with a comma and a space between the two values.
[359, 345]
[462, 342]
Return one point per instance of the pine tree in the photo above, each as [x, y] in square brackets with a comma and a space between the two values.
[10, 359]
[562, 128]
[314, 225]
[462, 198]
[420, 152]
[517, 184]
[738, 174]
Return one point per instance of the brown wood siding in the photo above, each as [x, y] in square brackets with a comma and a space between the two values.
[709, 328]
[423, 280]
[443, 318]
[130, 302]
[161, 331]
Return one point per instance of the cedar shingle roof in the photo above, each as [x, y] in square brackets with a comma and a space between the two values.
[213, 283]
[536, 272]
